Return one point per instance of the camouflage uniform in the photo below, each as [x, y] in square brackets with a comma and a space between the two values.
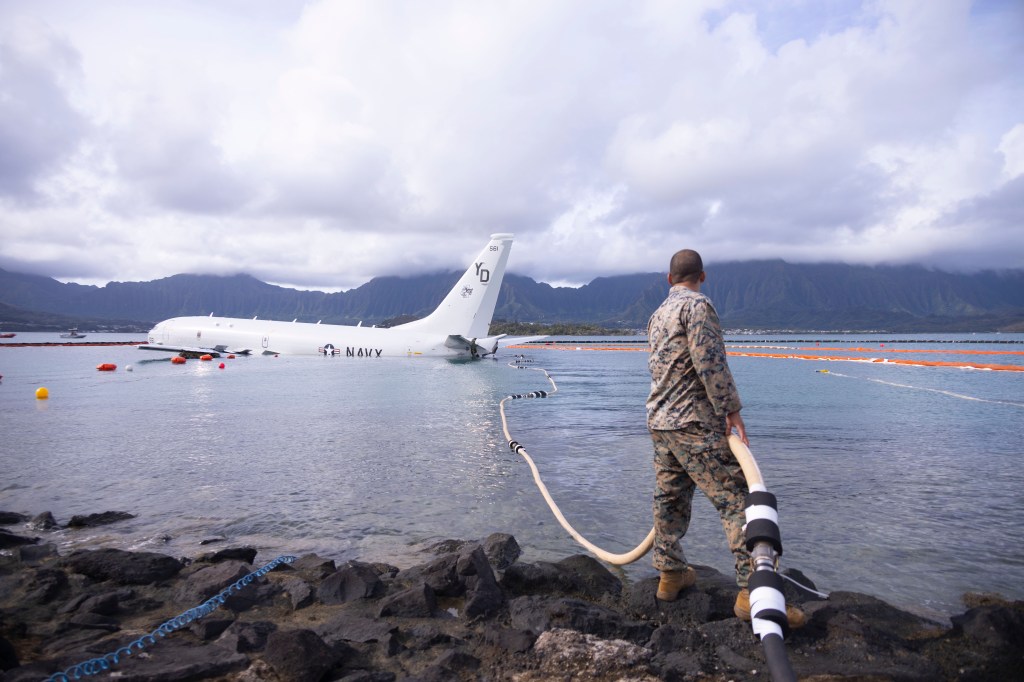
[692, 390]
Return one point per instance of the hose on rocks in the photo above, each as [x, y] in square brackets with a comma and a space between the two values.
[764, 542]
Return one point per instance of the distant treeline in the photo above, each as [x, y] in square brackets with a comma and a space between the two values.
[754, 295]
[563, 329]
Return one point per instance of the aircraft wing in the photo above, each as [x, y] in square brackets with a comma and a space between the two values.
[192, 351]
[478, 348]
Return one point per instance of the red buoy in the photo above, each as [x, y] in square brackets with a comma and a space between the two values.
[206, 358]
[222, 365]
[177, 360]
[106, 367]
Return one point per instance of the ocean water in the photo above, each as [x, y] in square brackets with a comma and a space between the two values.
[902, 481]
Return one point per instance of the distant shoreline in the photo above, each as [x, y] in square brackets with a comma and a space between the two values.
[578, 340]
[28, 344]
[542, 342]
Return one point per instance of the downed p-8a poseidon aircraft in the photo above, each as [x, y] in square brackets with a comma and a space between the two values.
[458, 327]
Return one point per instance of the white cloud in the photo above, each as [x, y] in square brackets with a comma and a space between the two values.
[1011, 146]
[39, 127]
[325, 142]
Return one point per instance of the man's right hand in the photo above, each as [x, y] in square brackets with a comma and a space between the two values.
[733, 420]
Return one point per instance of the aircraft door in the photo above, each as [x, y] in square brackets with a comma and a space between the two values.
[163, 334]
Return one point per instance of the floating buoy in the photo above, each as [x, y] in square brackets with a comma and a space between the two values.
[222, 365]
[106, 367]
[231, 356]
[177, 360]
[127, 368]
[206, 358]
[42, 393]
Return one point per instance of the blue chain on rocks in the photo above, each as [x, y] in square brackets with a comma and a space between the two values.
[103, 663]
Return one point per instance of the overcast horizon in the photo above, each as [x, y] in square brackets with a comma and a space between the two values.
[316, 145]
[711, 267]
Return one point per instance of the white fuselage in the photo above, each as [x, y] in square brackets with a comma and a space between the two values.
[297, 338]
[457, 327]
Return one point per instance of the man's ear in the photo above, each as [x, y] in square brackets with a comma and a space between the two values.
[703, 276]
[670, 279]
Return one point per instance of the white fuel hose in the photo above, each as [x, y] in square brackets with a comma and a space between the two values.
[755, 482]
[768, 611]
[614, 559]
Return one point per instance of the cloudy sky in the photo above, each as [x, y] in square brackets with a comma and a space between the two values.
[318, 144]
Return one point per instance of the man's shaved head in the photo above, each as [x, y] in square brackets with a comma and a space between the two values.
[686, 266]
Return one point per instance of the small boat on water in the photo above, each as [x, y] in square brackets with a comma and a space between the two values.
[7, 335]
[72, 334]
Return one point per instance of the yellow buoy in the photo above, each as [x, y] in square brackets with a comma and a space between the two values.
[42, 393]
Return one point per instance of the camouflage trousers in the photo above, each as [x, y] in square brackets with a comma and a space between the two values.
[696, 457]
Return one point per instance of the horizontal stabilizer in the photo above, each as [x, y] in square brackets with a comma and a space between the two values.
[478, 348]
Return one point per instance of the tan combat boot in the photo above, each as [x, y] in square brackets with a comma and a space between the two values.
[796, 617]
[674, 582]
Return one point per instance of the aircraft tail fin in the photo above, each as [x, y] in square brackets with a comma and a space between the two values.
[468, 308]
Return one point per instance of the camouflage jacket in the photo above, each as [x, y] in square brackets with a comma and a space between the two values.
[690, 377]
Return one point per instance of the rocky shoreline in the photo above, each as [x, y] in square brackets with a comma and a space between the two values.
[470, 611]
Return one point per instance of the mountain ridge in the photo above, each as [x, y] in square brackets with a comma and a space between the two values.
[763, 295]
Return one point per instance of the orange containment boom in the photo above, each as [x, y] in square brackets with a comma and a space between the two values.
[794, 355]
[885, 361]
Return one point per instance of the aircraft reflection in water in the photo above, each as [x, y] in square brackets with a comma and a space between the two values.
[457, 328]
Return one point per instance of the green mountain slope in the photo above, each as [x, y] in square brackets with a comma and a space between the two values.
[768, 295]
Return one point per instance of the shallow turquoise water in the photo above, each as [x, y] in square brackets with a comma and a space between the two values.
[899, 481]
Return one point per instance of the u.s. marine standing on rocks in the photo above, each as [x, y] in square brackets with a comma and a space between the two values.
[692, 408]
